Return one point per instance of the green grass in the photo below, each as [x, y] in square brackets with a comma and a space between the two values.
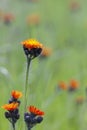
[65, 32]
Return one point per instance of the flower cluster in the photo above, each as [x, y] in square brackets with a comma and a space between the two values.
[32, 49]
[12, 113]
[33, 117]
[73, 85]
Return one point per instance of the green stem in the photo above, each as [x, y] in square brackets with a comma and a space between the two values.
[13, 125]
[29, 128]
[26, 82]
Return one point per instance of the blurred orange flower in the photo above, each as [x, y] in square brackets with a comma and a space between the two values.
[73, 85]
[62, 85]
[35, 111]
[11, 106]
[46, 52]
[16, 94]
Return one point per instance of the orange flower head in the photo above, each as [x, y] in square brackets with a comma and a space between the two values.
[11, 106]
[32, 48]
[46, 52]
[74, 84]
[62, 85]
[31, 43]
[35, 111]
[16, 94]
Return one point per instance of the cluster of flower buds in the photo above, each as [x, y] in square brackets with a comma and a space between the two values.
[12, 113]
[33, 117]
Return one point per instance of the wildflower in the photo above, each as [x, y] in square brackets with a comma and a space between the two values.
[12, 113]
[15, 95]
[62, 86]
[35, 111]
[33, 117]
[32, 48]
[73, 85]
[10, 107]
[46, 52]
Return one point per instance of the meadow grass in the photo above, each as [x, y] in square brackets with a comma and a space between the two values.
[65, 32]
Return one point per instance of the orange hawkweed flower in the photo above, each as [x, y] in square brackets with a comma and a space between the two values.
[46, 52]
[16, 94]
[73, 85]
[11, 106]
[32, 48]
[31, 43]
[62, 85]
[35, 111]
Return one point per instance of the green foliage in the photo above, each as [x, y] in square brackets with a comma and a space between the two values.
[62, 29]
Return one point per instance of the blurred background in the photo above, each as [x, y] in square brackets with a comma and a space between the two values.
[58, 77]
